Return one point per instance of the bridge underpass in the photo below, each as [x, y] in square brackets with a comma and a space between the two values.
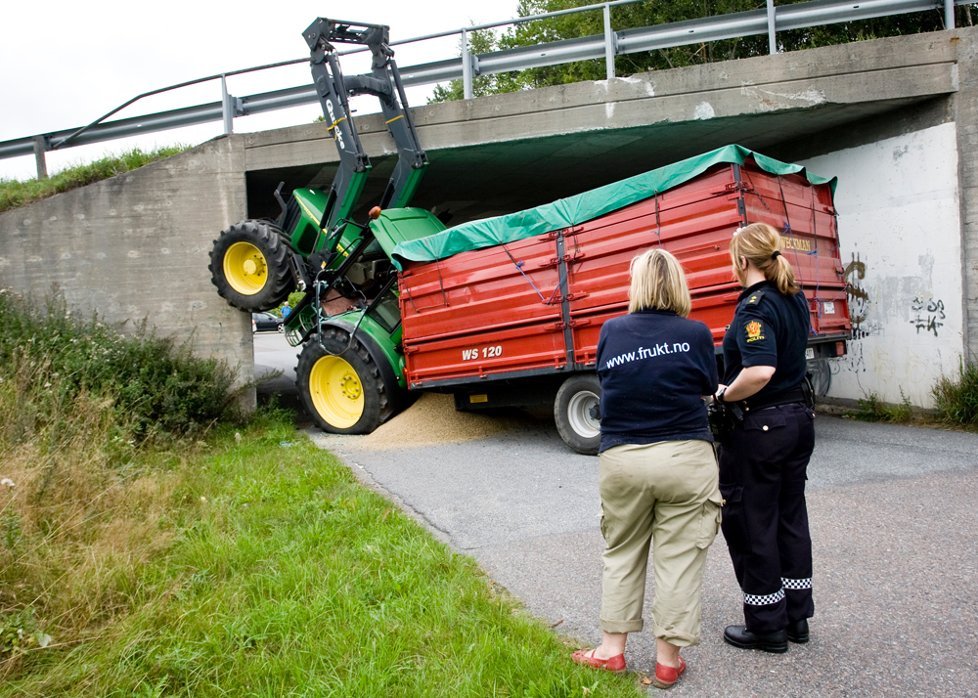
[138, 244]
[489, 179]
[502, 153]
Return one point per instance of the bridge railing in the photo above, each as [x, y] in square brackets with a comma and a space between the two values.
[467, 65]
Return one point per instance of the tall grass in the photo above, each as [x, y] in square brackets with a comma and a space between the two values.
[79, 404]
[287, 577]
[227, 560]
[957, 398]
[150, 386]
[14, 193]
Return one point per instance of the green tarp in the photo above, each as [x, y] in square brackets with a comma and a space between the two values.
[587, 206]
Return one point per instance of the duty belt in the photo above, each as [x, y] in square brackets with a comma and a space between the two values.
[785, 398]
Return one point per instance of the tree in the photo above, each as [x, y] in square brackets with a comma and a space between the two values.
[648, 13]
[484, 41]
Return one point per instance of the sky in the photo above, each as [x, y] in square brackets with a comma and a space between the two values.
[65, 64]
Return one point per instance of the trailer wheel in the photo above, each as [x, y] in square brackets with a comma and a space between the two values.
[341, 385]
[576, 413]
[820, 376]
[250, 266]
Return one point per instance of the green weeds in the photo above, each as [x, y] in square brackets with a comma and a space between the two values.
[873, 409]
[151, 386]
[957, 399]
[15, 193]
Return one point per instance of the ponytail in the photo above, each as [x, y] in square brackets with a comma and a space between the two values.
[760, 244]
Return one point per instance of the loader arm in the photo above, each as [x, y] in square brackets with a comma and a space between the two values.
[334, 90]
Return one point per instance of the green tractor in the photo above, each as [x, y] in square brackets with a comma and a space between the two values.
[350, 372]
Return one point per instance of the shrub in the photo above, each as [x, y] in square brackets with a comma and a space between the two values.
[957, 400]
[152, 385]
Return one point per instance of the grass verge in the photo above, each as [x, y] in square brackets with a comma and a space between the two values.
[14, 193]
[152, 543]
[282, 575]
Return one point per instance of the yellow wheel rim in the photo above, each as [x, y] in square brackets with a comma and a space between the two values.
[245, 268]
[336, 392]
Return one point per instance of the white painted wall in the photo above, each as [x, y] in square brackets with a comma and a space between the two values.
[900, 231]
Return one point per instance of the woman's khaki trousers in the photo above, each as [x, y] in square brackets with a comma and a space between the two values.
[665, 494]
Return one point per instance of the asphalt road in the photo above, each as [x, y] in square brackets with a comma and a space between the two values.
[893, 513]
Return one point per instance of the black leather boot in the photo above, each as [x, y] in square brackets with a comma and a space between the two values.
[798, 631]
[740, 636]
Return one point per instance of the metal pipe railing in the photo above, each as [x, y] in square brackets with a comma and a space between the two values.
[768, 20]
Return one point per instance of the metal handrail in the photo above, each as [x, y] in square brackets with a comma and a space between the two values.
[467, 66]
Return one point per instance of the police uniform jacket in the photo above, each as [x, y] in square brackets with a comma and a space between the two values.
[768, 329]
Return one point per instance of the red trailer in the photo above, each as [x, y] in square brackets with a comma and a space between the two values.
[507, 310]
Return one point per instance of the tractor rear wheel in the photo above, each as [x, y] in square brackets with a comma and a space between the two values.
[250, 266]
[576, 413]
[341, 386]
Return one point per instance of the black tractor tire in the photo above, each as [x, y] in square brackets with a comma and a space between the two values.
[576, 412]
[250, 266]
[342, 387]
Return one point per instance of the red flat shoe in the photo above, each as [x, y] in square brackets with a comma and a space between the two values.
[615, 665]
[667, 676]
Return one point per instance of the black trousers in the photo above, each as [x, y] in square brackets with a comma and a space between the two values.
[763, 469]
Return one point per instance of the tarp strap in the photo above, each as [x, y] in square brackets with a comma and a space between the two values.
[529, 280]
[818, 278]
[784, 205]
[441, 288]
[658, 222]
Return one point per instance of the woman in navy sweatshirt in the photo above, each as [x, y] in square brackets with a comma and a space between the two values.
[657, 470]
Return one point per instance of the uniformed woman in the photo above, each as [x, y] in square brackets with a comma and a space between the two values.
[765, 454]
[658, 474]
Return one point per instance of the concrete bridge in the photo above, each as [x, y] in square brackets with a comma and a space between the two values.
[895, 119]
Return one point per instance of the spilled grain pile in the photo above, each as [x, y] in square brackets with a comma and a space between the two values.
[432, 419]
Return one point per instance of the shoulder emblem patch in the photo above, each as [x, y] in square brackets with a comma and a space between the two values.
[755, 331]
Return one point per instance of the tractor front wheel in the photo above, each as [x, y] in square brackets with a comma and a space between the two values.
[577, 414]
[341, 386]
[250, 266]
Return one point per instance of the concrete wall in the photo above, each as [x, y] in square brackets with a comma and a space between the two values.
[964, 104]
[900, 225]
[908, 202]
[136, 247]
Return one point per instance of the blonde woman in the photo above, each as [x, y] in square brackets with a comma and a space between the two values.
[764, 458]
[657, 469]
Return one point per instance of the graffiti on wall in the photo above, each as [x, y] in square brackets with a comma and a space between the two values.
[859, 311]
[854, 274]
[927, 315]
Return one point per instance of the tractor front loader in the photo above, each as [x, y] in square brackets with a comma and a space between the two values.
[350, 371]
[255, 264]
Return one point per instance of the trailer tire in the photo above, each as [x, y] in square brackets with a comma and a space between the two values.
[341, 385]
[250, 266]
[576, 412]
[819, 374]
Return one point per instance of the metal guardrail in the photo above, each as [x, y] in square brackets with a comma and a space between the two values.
[466, 66]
